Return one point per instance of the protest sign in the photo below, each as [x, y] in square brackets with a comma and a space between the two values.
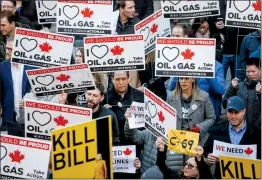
[123, 159]
[184, 57]
[83, 150]
[46, 11]
[115, 53]
[244, 14]
[41, 49]
[178, 9]
[23, 158]
[42, 117]
[137, 119]
[151, 27]
[227, 149]
[239, 168]
[81, 99]
[84, 17]
[159, 116]
[183, 142]
[70, 79]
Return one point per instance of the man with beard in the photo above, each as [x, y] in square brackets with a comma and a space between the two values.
[249, 91]
[94, 98]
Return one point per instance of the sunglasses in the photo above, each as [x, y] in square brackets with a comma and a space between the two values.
[189, 166]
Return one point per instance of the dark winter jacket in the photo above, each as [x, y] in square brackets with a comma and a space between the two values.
[247, 91]
[220, 133]
[249, 44]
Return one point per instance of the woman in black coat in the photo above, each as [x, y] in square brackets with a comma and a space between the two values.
[195, 166]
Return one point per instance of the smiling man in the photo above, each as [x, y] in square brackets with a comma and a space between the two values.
[235, 131]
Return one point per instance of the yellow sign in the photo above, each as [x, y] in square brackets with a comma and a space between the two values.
[239, 168]
[183, 142]
[83, 150]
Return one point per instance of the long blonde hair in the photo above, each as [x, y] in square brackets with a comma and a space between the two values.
[195, 89]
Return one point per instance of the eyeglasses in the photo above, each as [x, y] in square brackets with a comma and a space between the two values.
[7, 7]
[189, 166]
[8, 49]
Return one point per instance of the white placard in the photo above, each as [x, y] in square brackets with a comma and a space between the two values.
[137, 119]
[123, 159]
[184, 57]
[23, 158]
[84, 17]
[159, 116]
[115, 53]
[244, 14]
[151, 27]
[42, 117]
[242, 151]
[41, 49]
[46, 11]
[70, 79]
[184, 9]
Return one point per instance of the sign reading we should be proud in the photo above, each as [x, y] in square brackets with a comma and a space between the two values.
[41, 49]
[115, 53]
[84, 17]
[23, 158]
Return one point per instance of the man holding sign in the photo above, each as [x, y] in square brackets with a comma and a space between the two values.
[236, 131]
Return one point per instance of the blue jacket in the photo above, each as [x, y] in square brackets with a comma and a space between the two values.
[7, 89]
[256, 54]
[249, 44]
[215, 87]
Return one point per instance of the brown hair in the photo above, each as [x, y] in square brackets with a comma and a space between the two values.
[82, 53]
[122, 3]
[8, 15]
[195, 90]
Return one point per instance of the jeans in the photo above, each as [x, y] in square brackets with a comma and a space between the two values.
[229, 60]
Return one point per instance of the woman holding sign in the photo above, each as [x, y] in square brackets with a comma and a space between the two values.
[195, 166]
[195, 111]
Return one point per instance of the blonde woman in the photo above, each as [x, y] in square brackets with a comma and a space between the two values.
[195, 111]
[100, 168]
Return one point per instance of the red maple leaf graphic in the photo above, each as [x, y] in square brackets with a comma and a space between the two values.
[63, 77]
[127, 152]
[188, 54]
[60, 121]
[154, 28]
[161, 116]
[87, 12]
[257, 5]
[117, 50]
[16, 156]
[45, 47]
[248, 151]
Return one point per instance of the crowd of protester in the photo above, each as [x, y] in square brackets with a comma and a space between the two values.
[228, 113]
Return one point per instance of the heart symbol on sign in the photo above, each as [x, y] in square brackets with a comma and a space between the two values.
[152, 109]
[71, 11]
[3, 152]
[45, 80]
[50, 5]
[170, 54]
[28, 44]
[145, 32]
[99, 51]
[175, 2]
[242, 6]
[42, 118]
